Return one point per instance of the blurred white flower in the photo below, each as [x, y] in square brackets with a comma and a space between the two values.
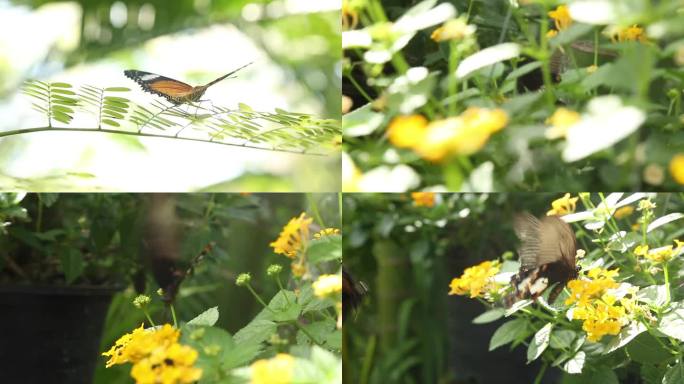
[606, 122]
[596, 218]
[400, 178]
[487, 56]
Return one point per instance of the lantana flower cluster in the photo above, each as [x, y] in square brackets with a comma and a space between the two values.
[477, 281]
[597, 305]
[156, 355]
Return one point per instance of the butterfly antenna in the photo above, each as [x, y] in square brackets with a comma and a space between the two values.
[226, 75]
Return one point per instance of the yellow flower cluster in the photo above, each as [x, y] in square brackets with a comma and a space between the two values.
[423, 199]
[156, 355]
[277, 370]
[633, 33]
[328, 285]
[561, 19]
[563, 206]
[476, 280]
[295, 232]
[461, 135]
[596, 307]
[659, 255]
[326, 232]
[623, 212]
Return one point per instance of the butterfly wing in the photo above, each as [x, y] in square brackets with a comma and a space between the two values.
[171, 89]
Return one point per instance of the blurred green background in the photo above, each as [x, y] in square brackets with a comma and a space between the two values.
[295, 46]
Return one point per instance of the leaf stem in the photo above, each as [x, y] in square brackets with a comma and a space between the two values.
[141, 134]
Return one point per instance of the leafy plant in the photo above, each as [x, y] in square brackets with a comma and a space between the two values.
[279, 131]
[621, 318]
[486, 95]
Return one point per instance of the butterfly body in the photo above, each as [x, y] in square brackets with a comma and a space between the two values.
[547, 257]
[352, 293]
[176, 92]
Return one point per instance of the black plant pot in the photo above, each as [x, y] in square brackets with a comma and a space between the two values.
[51, 334]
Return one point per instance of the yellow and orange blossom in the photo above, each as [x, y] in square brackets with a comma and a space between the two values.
[563, 206]
[476, 280]
[423, 199]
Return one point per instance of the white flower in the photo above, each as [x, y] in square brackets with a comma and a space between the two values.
[606, 122]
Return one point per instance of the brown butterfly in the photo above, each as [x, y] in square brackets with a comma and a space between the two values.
[177, 92]
[352, 293]
[547, 256]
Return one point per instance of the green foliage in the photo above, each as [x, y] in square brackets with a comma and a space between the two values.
[275, 131]
[501, 58]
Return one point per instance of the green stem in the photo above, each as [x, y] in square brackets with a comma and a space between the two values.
[141, 134]
[173, 316]
[147, 315]
[359, 88]
[314, 209]
[280, 285]
[546, 59]
[452, 85]
[540, 375]
[249, 287]
[667, 284]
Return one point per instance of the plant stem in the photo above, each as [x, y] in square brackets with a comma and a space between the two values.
[173, 315]
[314, 208]
[141, 134]
[147, 315]
[540, 375]
[259, 298]
[545, 59]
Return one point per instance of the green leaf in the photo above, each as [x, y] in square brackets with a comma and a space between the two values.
[570, 34]
[117, 89]
[489, 316]
[112, 114]
[327, 248]
[539, 342]
[72, 264]
[508, 332]
[62, 108]
[310, 303]
[319, 330]
[626, 335]
[61, 116]
[244, 107]
[116, 99]
[256, 331]
[646, 349]
[672, 324]
[60, 85]
[562, 338]
[63, 91]
[674, 375]
[575, 364]
[285, 307]
[110, 122]
[206, 318]
[240, 355]
[361, 122]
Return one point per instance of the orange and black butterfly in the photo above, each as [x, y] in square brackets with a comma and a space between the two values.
[547, 257]
[352, 293]
[177, 92]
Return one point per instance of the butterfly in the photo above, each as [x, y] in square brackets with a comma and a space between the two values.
[547, 257]
[352, 293]
[177, 92]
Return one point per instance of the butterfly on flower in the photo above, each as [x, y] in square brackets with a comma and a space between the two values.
[176, 92]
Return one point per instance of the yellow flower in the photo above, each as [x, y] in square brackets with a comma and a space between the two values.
[563, 206]
[660, 255]
[456, 29]
[462, 135]
[156, 355]
[406, 131]
[677, 168]
[561, 19]
[592, 68]
[327, 285]
[601, 313]
[551, 33]
[350, 15]
[623, 212]
[326, 232]
[641, 250]
[633, 33]
[293, 235]
[560, 121]
[476, 280]
[277, 370]
[423, 199]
